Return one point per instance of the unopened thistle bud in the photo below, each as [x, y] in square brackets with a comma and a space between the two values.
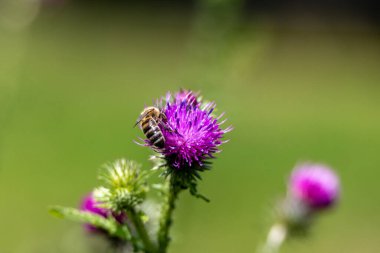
[126, 186]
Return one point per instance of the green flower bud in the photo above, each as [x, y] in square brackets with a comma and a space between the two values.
[125, 185]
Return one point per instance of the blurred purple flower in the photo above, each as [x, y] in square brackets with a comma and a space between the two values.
[314, 184]
[89, 204]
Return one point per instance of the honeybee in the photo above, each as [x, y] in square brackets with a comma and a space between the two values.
[149, 121]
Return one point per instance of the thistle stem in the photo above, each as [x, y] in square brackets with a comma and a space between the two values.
[276, 237]
[141, 230]
[133, 239]
[166, 219]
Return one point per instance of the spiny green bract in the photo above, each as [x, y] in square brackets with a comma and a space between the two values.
[125, 185]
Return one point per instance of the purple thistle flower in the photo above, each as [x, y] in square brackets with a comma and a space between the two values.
[189, 96]
[314, 184]
[89, 204]
[192, 133]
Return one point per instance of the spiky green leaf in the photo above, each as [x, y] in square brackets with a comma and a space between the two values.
[108, 224]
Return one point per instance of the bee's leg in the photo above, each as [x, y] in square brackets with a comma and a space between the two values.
[163, 117]
[166, 127]
[156, 149]
[169, 129]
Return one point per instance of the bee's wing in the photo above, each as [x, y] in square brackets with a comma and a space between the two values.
[137, 122]
[141, 117]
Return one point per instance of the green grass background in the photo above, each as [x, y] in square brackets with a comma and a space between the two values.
[73, 83]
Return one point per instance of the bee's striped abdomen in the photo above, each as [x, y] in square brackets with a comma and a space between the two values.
[158, 139]
[145, 126]
[152, 131]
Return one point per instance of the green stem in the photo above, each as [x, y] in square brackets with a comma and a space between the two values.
[276, 237]
[133, 239]
[166, 217]
[141, 230]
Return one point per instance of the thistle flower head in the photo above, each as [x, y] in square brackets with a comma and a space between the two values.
[315, 185]
[192, 133]
[189, 135]
[126, 186]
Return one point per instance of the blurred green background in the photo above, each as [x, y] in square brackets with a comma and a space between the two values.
[296, 85]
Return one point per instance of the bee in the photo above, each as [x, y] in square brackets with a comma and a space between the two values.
[149, 121]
